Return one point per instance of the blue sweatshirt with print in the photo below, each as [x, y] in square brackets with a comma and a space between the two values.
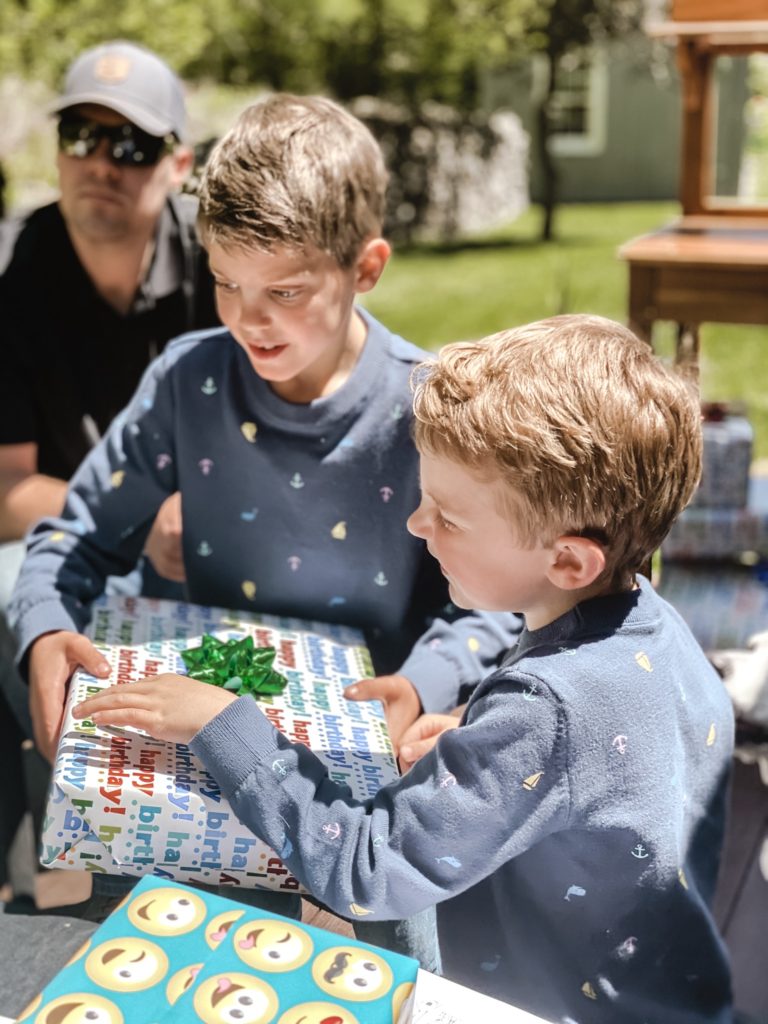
[569, 830]
[289, 509]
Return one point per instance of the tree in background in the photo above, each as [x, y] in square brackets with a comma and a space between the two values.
[553, 29]
[403, 51]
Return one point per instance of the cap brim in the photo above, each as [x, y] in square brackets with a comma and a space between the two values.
[140, 116]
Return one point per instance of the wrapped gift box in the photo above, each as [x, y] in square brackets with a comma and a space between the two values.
[728, 438]
[170, 953]
[124, 803]
[723, 605]
[712, 533]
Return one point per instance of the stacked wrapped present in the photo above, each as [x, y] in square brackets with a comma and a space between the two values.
[713, 571]
[124, 803]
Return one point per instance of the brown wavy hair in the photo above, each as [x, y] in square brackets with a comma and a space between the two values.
[592, 432]
[294, 171]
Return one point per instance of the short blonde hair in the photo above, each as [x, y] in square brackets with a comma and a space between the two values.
[591, 431]
[296, 171]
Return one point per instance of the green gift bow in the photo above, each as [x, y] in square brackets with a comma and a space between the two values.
[235, 665]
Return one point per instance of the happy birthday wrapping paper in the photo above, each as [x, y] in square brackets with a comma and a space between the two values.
[123, 803]
[171, 953]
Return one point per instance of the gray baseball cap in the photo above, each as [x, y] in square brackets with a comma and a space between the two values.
[130, 80]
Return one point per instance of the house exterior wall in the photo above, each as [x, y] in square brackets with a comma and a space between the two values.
[634, 155]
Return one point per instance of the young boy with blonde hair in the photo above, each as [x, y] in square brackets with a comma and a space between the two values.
[286, 433]
[569, 829]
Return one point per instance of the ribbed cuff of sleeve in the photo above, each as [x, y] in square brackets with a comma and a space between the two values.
[235, 742]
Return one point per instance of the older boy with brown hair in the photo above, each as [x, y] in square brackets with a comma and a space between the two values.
[569, 829]
[287, 434]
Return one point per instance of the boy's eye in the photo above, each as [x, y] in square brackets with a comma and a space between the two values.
[285, 294]
[225, 286]
[445, 524]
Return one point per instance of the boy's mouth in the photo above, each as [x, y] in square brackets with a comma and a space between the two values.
[265, 351]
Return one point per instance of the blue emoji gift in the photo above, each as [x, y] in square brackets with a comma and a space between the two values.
[174, 953]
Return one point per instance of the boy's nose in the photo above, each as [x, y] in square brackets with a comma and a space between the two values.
[417, 523]
[253, 315]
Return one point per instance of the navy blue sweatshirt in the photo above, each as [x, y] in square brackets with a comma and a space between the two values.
[289, 509]
[569, 830]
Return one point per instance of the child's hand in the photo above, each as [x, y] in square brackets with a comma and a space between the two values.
[419, 739]
[53, 657]
[168, 707]
[163, 547]
[398, 695]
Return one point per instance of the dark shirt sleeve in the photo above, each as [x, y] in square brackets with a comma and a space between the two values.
[111, 504]
[484, 794]
[18, 422]
[18, 419]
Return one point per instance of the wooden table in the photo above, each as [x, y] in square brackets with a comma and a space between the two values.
[698, 269]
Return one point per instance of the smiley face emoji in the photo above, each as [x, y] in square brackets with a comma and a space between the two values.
[352, 973]
[181, 981]
[272, 945]
[402, 992]
[318, 1013]
[235, 998]
[218, 927]
[80, 1008]
[127, 964]
[167, 912]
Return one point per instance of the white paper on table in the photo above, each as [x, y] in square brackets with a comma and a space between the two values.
[439, 1001]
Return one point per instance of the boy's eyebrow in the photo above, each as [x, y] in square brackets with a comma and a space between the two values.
[444, 506]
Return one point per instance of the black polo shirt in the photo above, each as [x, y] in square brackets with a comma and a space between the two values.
[69, 362]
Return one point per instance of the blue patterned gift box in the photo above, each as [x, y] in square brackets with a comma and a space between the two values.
[174, 953]
[126, 804]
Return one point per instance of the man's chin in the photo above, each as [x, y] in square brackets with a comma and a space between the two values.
[100, 225]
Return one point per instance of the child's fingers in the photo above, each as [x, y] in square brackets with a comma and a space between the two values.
[131, 695]
[137, 718]
[414, 751]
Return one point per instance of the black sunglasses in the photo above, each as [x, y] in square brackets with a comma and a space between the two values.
[129, 146]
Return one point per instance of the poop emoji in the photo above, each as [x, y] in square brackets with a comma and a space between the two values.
[218, 927]
[349, 972]
[272, 945]
[79, 1008]
[166, 912]
[127, 964]
[235, 998]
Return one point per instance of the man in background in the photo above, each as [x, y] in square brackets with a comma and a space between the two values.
[91, 289]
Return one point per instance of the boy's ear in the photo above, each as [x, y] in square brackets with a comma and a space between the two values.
[370, 263]
[577, 562]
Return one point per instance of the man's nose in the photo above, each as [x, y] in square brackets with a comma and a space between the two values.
[100, 162]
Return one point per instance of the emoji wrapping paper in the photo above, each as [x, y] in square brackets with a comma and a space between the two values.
[172, 953]
[123, 803]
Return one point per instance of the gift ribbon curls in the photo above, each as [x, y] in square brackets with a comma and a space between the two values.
[235, 665]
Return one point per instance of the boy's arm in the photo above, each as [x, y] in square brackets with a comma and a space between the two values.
[111, 503]
[453, 656]
[487, 792]
[25, 494]
[463, 810]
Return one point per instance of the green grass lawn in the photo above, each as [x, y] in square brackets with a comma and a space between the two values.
[432, 295]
